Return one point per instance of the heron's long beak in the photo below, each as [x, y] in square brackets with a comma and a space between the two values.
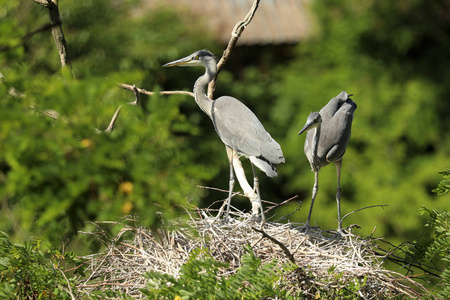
[305, 128]
[179, 62]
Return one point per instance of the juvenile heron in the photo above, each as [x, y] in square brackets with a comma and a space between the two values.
[326, 141]
[238, 128]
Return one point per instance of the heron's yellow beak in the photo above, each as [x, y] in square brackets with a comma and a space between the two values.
[180, 62]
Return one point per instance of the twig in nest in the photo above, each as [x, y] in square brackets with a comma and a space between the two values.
[281, 204]
[282, 246]
[121, 265]
[352, 212]
[69, 288]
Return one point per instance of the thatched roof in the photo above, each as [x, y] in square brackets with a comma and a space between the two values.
[276, 21]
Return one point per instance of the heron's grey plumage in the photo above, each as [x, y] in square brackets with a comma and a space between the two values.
[335, 131]
[237, 126]
[328, 135]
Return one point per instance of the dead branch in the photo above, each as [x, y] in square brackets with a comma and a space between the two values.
[274, 240]
[280, 204]
[355, 211]
[136, 102]
[57, 32]
[235, 35]
[44, 3]
[137, 96]
[110, 127]
[148, 93]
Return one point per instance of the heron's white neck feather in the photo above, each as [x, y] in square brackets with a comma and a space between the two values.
[199, 90]
[315, 163]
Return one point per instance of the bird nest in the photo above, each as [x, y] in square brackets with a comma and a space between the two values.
[325, 263]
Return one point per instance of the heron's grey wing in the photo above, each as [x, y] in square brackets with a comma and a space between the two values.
[335, 132]
[333, 106]
[240, 129]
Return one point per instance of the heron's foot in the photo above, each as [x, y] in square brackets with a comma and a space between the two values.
[340, 233]
[218, 218]
[308, 228]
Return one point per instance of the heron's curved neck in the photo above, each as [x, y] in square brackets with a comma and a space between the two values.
[316, 138]
[199, 89]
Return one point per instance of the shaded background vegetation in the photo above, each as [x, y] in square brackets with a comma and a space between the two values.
[55, 174]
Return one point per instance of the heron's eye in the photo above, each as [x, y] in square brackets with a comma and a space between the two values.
[196, 57]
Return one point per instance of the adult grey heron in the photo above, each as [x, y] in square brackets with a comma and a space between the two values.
[326, 141]
[238, 128]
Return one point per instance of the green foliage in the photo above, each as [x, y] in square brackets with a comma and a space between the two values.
[400, 131]
[348, 289]
[199, 279]
[434, 248]
[437, 247]
[29, 272]
[55, 174]
[444, 185]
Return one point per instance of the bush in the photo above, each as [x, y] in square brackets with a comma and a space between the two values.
[28, 272]
[199, 279]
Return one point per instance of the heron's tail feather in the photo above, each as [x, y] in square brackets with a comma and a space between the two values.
[263, 164]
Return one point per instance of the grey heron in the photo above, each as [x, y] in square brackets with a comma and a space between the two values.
[326, 141]
[238, 128]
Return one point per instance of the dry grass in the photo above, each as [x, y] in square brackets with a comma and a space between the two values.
[136, 250]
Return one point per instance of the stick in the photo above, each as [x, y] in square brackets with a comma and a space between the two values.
[57, 32]
[235, 35]
[281, 204]
[282, 246]
[352, 212]
[148, 93]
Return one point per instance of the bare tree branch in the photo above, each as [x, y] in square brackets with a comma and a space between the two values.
[113, 120]
[45, 3]
[137, 96]
[116, 114]
[145, 92]
[57, 32]
[235, 35]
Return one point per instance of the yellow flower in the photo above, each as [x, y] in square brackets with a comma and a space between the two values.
[127, 207]
[86, 143]
[126, 187]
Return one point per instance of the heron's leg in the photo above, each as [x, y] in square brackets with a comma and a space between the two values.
[314, 193]
[227, 202]
[255, 180]
[248, 190]
[231, 187]
[256, 189]
[338, 165]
